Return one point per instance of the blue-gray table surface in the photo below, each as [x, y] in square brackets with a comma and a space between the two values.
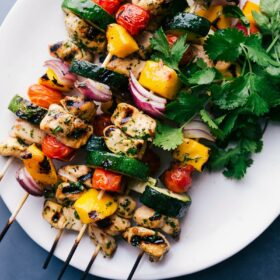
[21, 258]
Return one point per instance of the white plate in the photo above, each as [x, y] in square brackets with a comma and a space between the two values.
[225, 215]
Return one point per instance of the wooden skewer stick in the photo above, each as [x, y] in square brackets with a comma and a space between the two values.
[6, 167]
[50, 255]
[75, 245]
[13, 217]
[135, 265]
[107, 60]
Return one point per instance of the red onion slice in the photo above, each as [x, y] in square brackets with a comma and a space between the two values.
[197, 129]
[28, 183]
[145, 93]
[62, 72]
[94, 90]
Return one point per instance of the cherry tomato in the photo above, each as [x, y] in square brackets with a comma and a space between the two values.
[153, 161]
[178, 179]
[44, 96]
[52, 148]
[132, 18]
[242, 28]
[106, 180]
[171, 39]
[110, 6]
[100, 123]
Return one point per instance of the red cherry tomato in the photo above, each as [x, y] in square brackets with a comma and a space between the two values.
[242, 28]
[132, 18]
[106, 180]
[171, 39]
[110, 6]
[178, 179]
[100, 123]
[52, 148]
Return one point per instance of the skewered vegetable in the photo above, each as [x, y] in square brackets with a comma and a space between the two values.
[91, 209]
[120, 42]
[248, 8]
[68, 129]
[119, 164]
[26, 110]
[96, 143]
[110, 6]
[126, 206]
[106, 180]
[192, 153]
[39, 166]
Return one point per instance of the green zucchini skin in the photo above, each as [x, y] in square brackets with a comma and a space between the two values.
[190, 23]
[114, 80]
[26, 110]
[164, 203]
[119, 164]
[89, 11]
[96, 143]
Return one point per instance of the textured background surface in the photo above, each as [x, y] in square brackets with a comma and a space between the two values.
[22, 259]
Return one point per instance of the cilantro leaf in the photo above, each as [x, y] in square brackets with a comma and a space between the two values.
[167, 137]
[171, 56]
[207, 119]
[225, 44]
[236, 12]
[185, 107]
[203, 77]
[256, 104]
[262, 22]
[270, 7]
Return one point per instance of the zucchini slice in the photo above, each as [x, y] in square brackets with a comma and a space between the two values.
[89, 11]
[190, 23]
[119, 164]
[165, 202]
[26, 110]
[114, 80]
[96, 143]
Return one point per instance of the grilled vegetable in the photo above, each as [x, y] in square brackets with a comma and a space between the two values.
[133, 122]
[192, 153]
[248, 8]
[126, 206]
[151, 242]
[85, 35]
[119, 164]
[43, 96]
[80, 107]
[100, 123]
[89, 11]
[119, 143]
[68, 51]
[190, 23]
[39, 166]
[110, 6]
[100, 238]
[91, 209]
[96, 143]
[133, 18]
[76, 173]
[25, 110]
[165, 202]
[92, 71]
[12, 147]
[27, 132]
[160, 79]
[106, 180]
[120, 42]
[68, 129]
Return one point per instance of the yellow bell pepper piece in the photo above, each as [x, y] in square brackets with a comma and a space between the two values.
[39, 166]
[91, 209]
[160, 79]
[248, 8]
[192, 152]
[120, 42]
[50, 80]
[215, 13]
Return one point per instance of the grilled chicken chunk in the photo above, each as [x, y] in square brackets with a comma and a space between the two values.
[79, 107]
[68, 51]
[147, 217]
[171, 226]
[127, 206]
[27, 132]
[134, 122]
[114, 225]
[73, 221]
[100, 238]
[11, 147]
[124, 66]
[153, 6]
[84, 34]
[151, 242]
[144, 43]
[68, 129]
[67, 193]
[119, 143]
[76, 173]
